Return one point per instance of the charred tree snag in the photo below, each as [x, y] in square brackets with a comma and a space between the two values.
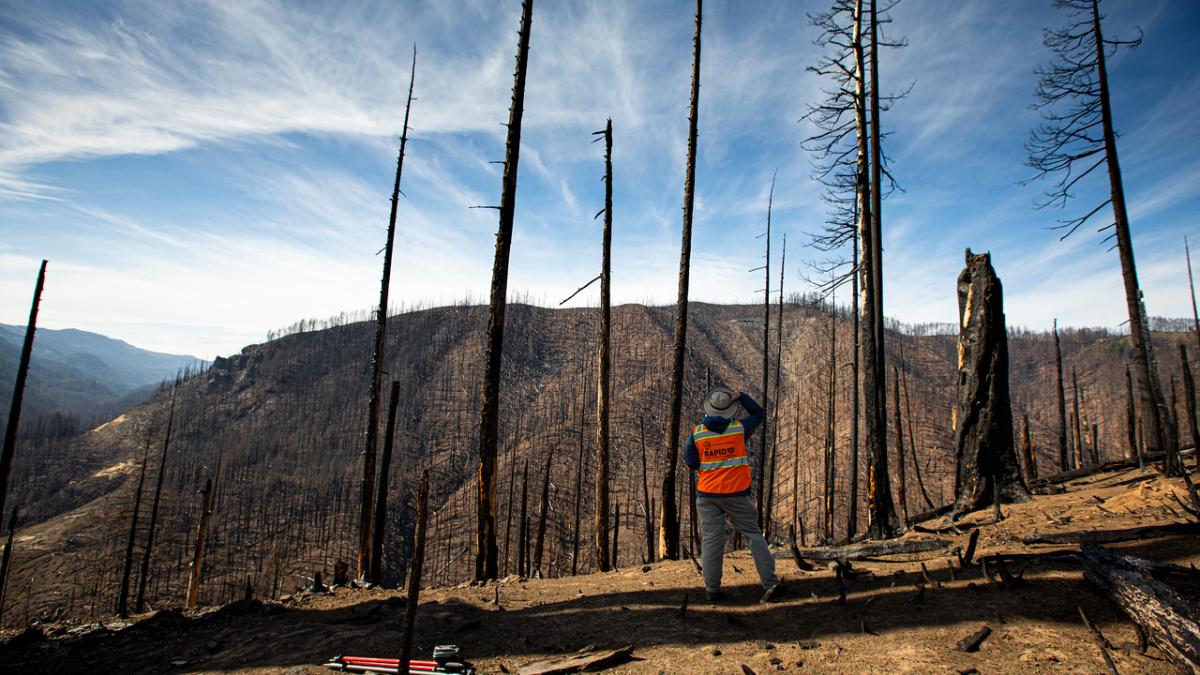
[512, 481]
[830, 433]
[1064, 463]
[193, 588]
[578, 500]
[600, 550]
[983, 437]
[523, 526]
[385, 463]
[1076, 137]
[140, 604]
[413, 587]
[778, 376]
[1131, 421]
[764, 438]
[367, 517]
[1189, 402]
[14, 412]
[1027, 449]
[1170, 620]
[647, 506]
[1076, 423]
[545, 511]
[616, 538]
[489, 416]
[123, 593]
[902, 492]
[668, 518]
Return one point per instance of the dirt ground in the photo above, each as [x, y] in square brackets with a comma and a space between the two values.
[884, 625]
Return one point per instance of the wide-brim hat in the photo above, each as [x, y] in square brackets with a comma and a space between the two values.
[720, 402]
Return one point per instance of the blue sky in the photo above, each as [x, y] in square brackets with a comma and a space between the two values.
[199, 173]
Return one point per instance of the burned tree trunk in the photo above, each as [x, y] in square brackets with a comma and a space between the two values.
[489, 416]
[983, 437]
[512, 480]
[764, 439]
[616, 538]
[545, 511]
[1131, 420]
[123, 594]
[1076, 423]
[523, 526]
[1027, 450]
[600, 550]
[646, 506]
[830, 434]
[668, 518]
[902, 491]
[1064, 463]
[193, 588]
[14, 412]
[855, 404]
[413, 587]
[778, 376]
[881, 510]
[367, 519]
[578, 503]
[140, 603]
[1189, 395]
[382, 493]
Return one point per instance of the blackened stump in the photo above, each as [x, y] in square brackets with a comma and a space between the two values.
[983, 435]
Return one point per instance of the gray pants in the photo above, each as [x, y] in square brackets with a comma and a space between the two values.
[744, 518]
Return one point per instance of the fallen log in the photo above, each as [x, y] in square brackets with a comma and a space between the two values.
[1107, 536]
[869, 549]
[576, 662]
[1169, 619]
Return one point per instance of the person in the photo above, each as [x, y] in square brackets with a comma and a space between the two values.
[717, 450]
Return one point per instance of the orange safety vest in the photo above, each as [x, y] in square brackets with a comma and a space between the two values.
[724, 466]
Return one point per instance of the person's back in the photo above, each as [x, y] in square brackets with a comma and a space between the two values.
[717, 450]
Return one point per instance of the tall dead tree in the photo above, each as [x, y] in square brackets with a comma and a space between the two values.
[600, 549]
[1189, 401]
[1077, 137]
[1027, 449]
[192, 597]
[379, 528]
[127, 567]
[140, 603]
[523, 526]
[1064, 462]
[902, 489]
[985, 456]
[367, 505]
[647, 507]
[669, 515]
[413, 587]
[764, 437]
[778, 377]
[489, 417]
[1131, 420]
[14, 412]
[879, 495]
[543, 513]
[1077, 445]
[830, 486]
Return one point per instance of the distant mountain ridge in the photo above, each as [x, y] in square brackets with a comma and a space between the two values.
[82, 374]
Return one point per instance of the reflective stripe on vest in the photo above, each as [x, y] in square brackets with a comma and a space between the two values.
[724, 466]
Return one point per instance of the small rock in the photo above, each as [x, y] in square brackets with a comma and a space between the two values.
[775, 660]
[645, 568]
[714, 651]
[808, 644]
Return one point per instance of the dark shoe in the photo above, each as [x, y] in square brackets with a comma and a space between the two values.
[776, 592]
[716, 596]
